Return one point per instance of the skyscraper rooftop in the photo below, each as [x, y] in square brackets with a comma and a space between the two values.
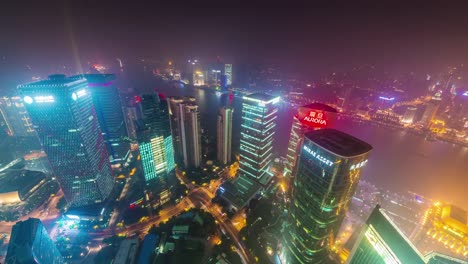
[339, 142]
[261, 97]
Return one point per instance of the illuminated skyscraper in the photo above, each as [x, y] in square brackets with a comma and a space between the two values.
[224, 139]
[431, 109]
[30, 244]
[228, 73]
[259, 114]
[308, 118]
[155, 139]
[106, 100]
[62, 112]
[381, 242]
[410, 113]
[186, 130]
[14, 118]
[328, 172]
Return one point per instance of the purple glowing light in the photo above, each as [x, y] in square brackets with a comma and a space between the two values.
[465, 93]
[100, 84]
[387, 98]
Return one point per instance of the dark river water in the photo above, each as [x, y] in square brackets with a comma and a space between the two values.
[399, 162]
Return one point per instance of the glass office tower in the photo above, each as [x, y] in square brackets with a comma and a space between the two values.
[30, 243]
[224, 135]
[109, 111]
[63, 114]
[381, 242]
[328, 172]
[259, 114]
[186, 131]
[155, 139]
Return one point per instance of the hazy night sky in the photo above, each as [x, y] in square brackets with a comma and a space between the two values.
[399, 37]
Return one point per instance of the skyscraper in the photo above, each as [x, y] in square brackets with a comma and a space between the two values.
[62, 112]
[328, 171]
[381, 242]
[224, 134]
[259, 114]
[30, 244]
[186, 130]
[410, 114]
[109, 111]
[228, 73]
[155, 139]
[308, 118]
[431, 110]
[14, 117]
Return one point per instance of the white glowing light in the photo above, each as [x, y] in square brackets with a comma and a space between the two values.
[28, 99]
[44, 99]
[318, 157]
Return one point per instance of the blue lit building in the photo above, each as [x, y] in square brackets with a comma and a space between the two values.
[259, 114]
[30, 244]
[106, 100]
[63, 114]
[328, 171]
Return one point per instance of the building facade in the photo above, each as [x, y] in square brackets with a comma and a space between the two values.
[14, 118]
[308, 118]
[224, 135]
[186, 131]
[328, 172]
[63, 114]
[109, 111]
[30, 243]
[259, 116]
[228, 73]
[155, 139]
[381, 242]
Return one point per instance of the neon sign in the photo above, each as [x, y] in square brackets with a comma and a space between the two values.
[318, 157]
[315, 119]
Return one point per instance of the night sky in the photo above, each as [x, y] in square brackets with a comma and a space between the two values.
[398, 37]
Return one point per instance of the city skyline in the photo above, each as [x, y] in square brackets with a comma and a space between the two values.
[214, 133]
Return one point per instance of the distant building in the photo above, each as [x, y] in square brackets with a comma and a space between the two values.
[228, 73]
[186, 131]
[259, 117]
[127, 252]
[66, 122]
[109, 111]
[431, 109]
[198, 78]
[224, 134]
[445, 225]
[30, 244]
[409, 115]
[14, 118]
[381, 242]
[329, 169]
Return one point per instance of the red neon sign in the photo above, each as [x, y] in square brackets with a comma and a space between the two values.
[315, 119]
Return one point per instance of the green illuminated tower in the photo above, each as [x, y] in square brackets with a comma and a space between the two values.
[328, 172]
[259, 114]
[155, 139]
